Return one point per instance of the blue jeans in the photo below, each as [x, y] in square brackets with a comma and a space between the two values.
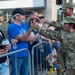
[4, 68]
[22, 65]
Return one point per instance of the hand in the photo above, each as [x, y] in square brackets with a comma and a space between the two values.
[8, 47]
[33, 24]
[43, 27]
[47, 57]
[49, 41]
[14, 41]
[2, 51]
[46, 22]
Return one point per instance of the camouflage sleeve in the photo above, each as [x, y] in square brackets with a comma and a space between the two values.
[59, 26]
[48, 33]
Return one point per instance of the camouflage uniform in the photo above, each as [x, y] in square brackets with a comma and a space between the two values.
[68, 42]
[62, 54]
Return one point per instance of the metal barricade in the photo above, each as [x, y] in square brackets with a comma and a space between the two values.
[42, 67]
[14, 52]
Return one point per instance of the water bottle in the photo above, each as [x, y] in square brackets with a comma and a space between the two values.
[15, 46]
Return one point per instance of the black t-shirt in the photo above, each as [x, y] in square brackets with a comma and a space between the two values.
[2, 59]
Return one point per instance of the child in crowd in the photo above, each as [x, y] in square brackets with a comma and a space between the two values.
[53, 58]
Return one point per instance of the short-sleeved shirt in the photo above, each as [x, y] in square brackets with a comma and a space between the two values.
[3, 27]
[13, 31]
[2, 36]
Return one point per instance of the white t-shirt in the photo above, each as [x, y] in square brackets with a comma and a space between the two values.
[53, 59]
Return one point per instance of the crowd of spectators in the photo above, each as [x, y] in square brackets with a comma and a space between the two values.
[22, 33]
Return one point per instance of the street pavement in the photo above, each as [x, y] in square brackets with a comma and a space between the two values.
[54, 73]
[47, 73]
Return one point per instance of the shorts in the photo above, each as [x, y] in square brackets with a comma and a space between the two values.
[4, 68]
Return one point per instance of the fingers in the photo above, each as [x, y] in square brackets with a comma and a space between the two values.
[14, 41]
[31, 23]
[8, 47]
[2, 51]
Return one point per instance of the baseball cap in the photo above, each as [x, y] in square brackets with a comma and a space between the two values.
[67, 5]
[69, 19]
[40, 15]
[18, 11]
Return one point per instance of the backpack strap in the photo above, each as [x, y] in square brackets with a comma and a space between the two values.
[1, 36]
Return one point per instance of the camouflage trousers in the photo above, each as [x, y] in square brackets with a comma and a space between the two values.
[60, 71]
[61, 64]
[61, 59]
[70, 72]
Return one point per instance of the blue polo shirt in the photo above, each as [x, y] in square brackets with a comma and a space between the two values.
[15, 30]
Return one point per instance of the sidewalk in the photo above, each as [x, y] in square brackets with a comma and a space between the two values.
[54, 73]
[48, 73]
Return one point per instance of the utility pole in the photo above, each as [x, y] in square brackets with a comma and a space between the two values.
[62, 15]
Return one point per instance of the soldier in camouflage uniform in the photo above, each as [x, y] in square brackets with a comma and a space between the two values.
[67, 10]
[68, 41]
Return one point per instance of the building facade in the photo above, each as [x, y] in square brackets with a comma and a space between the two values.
[47, 7]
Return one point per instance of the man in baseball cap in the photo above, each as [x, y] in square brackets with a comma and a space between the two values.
[18, 11]
[19, 32]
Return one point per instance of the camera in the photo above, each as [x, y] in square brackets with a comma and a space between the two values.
[3, 40]
[4, 43]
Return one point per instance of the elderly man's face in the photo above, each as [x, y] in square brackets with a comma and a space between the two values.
[21, 18]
